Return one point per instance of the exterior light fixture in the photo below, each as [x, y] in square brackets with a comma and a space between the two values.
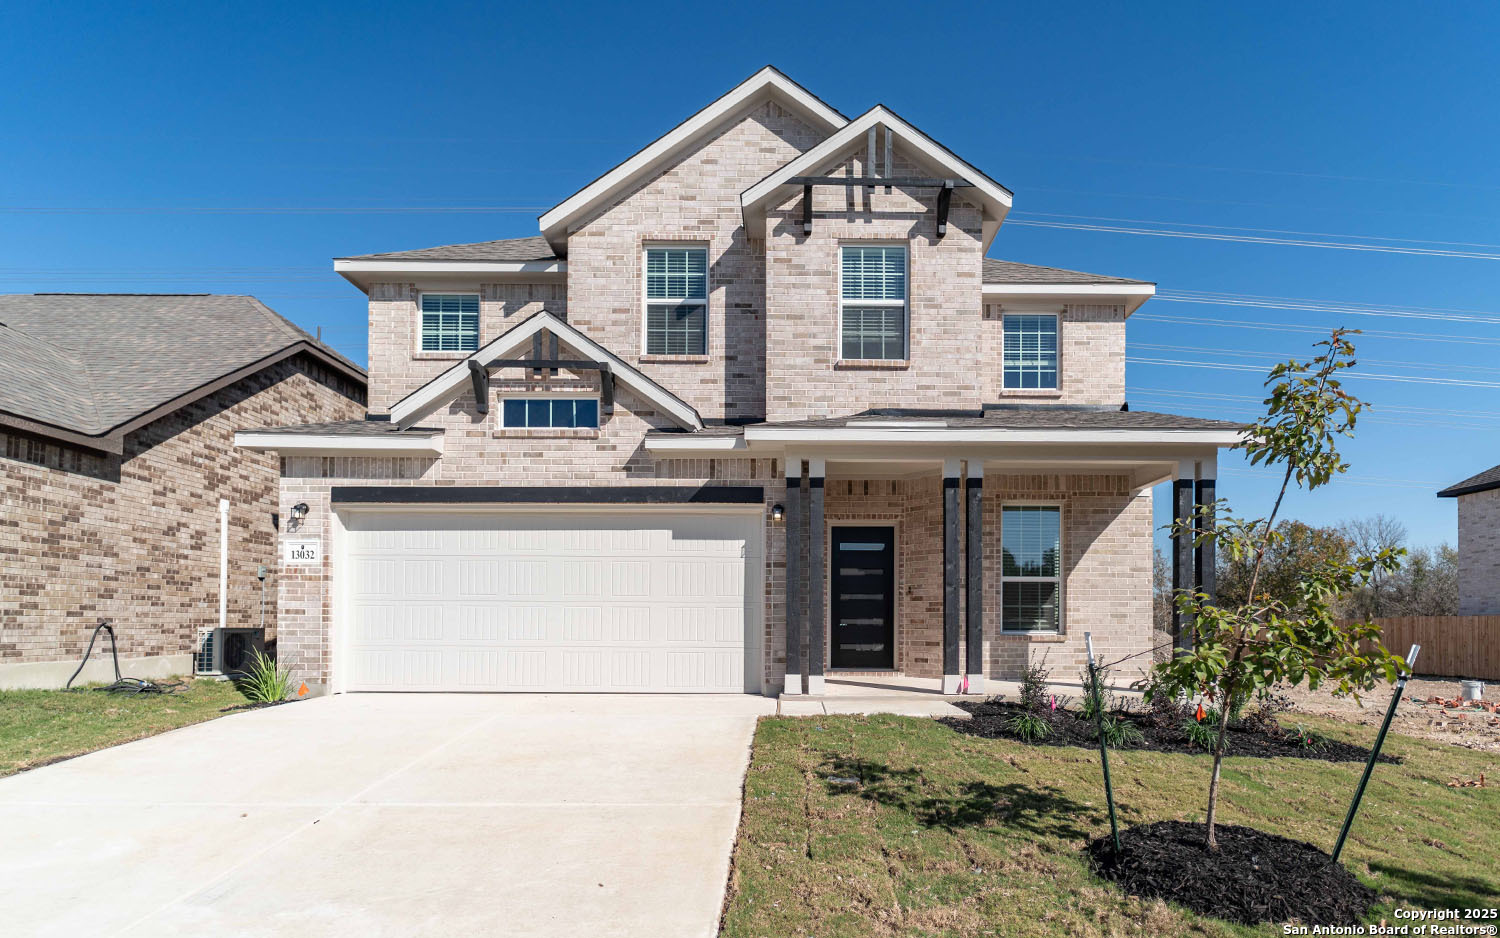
[777, 512]
[299, 511]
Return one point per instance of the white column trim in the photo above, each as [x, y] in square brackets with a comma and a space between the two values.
[223, 563]
[817, 468]
[950, 469]
[1208, 466]
[950, 684]
[1186, 469]
[793, 685]
[815, 685]
[975, 468]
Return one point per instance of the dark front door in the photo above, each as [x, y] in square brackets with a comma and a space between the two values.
[863, 627]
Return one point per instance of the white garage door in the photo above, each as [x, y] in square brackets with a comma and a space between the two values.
[602, 600]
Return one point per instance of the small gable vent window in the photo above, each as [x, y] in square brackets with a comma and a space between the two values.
[1030, 352]
[872, 302]
[677, 301]
[551, 413]
[450, 322]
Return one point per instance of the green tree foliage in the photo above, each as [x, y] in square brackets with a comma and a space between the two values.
[1244, 648]
[1295, 547]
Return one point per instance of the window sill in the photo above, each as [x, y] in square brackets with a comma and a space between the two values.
[1038, 637]
[1030, 392]
[675, 359]
[872, 364]
[546, 433]
[429, 356]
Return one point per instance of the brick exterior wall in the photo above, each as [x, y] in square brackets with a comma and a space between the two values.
[1479, 554]
[134, 538]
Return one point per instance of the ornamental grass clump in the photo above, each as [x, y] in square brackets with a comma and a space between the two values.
[264, 680]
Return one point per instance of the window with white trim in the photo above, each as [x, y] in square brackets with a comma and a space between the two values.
[676, 301]
[552, 413]
[1031, 568]
[450, 322]
[872, 301]
[1030, 351]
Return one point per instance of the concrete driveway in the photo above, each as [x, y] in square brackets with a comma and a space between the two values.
[390, 815]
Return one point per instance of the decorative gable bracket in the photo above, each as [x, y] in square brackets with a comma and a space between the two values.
[480, 375]
[945, 189]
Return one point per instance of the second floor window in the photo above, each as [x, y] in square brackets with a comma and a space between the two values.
[677, 301]
[1030, 352]
[872, 302]
[450, 322]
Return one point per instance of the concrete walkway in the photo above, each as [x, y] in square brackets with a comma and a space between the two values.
[386, 815]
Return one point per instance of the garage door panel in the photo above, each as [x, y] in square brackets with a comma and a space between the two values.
[566, 601]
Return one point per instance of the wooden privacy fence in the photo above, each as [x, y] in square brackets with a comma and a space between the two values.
[1452, 646]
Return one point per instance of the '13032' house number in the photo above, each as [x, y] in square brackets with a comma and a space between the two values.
[302, 552]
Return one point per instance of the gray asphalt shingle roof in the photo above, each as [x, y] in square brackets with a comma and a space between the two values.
[534, 248]
[350, 428]
[999, 271]
[1011, 417]
[88, 363]
[1486, 480]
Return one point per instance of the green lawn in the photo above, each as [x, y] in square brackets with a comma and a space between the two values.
[41, 726]
[947, 834]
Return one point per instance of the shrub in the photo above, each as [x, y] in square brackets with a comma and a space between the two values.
[1306, 738]
[1202, 733]
[1029, 726]
[264, 680]
[1034, 685]
[1120, 732]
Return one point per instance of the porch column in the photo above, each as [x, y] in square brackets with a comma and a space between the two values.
[817, 616]
[1204, 556]
[974, 600]
[1182, 549]
[951, 678]
[794, 577]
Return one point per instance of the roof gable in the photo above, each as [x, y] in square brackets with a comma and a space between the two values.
[451, 383]
[92, 367]
[1483, 482]
[994, 199]
[768, 82]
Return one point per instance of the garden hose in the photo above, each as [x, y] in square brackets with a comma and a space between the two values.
[121, 685]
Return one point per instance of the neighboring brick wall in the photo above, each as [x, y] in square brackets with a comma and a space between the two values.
[1479, 554]
[134, 538]
[697, 200]
[804, 377]
[1091, 354]
[397, 364]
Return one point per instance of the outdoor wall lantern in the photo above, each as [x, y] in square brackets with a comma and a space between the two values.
[777, 512]
[299, 511]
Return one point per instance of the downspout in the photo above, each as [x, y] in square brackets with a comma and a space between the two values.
[223, 562]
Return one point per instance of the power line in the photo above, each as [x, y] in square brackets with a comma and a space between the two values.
[271, 209]
[1237, 353]
[1367, 482]
[1451, 314]
[1363, 375]
[1400, 408]
[1279, 231]
[1315, 330]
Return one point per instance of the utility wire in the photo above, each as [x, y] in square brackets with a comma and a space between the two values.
[1364, 376]
[1314, 330]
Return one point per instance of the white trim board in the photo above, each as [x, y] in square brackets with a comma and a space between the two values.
[768, 81]
[919, 434]
[451, 383]
[410, 444]
[1131, 295]
[993, 197]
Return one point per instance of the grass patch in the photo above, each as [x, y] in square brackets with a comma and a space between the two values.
[944, 834]
[42, 726]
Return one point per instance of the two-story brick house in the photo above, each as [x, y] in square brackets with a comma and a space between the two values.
[754, 406]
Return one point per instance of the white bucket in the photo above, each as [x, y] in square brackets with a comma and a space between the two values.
[1472, 690]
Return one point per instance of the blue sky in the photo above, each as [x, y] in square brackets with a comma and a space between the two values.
[199, 147]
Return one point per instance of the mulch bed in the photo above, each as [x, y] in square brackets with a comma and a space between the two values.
[1254, 877]
[989, 719]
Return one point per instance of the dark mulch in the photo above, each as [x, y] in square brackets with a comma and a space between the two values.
[989, 719]
[1254, 877]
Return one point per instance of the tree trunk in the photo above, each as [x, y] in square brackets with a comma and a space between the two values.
[1213, 782]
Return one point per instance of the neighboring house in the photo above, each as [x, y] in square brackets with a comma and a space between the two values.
[117, 420]
[1478, 542]
[773, 328]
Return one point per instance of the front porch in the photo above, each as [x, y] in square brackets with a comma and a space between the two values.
[955, 548]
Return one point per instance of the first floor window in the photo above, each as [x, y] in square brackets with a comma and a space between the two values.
[1031, 561]
[1030, 352]
[677, 301]
[872, 301]
[450, 322]
[551, 413]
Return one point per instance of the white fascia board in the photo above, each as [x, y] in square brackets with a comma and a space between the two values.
[1132, 295]
[260, 441]
[554, 222]
[755, 200]
[986, 435]
[346, 266]
[694, 444]
[450, 383]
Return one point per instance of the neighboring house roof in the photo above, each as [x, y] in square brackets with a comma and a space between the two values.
[449, 384]
[1486, 480]
[768, 82]
[994, 199]
[89, 368]
[534, 248]
[999, 271]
